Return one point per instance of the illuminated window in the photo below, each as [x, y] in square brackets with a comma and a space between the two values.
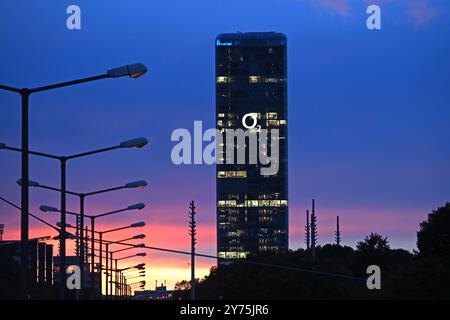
[232, 174]
[233, 254]
[264, 203]
[273, 80]
[241, 174]
[223, 79]
[259, 79]
[272, 115]
[230, 203]
[221, 115]
[275, 203]
[282, 122]
[220, 123]
[221, 174]
[254, 79]
[274, 123]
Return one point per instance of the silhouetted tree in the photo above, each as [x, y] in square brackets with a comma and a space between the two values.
[425, 275]
[373, 243]
[433, 238]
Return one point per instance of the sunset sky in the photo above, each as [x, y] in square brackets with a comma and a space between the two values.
[368, 113]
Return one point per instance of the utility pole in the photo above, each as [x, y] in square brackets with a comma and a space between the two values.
[313, 230]
[338, 232]
[308, 231]
[192, 233]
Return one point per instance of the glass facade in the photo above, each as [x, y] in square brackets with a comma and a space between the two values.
[252, 209]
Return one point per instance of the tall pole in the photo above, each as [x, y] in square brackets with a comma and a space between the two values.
[111, 275]
[117, 284]
[82, 242]
[101, 265]
[313, 230]
[338, 232]
[308, 231]
[121, 285]
[25, 94]
[192, 233]
[86, 252]
[107, 269]
[62, 239]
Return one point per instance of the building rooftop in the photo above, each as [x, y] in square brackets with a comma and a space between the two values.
[251, 38]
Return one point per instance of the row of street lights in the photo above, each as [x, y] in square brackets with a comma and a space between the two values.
[121, 278]
[133, 143]
[133, 71]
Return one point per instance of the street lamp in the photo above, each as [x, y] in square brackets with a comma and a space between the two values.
[133, 71]
[141, 254]
[133, 143]
[101, 233]
[108, 243]
[133, 225]
[137, 206]
[140, 184]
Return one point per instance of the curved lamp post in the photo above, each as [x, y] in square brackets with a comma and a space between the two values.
[133, 71]
[140, 184]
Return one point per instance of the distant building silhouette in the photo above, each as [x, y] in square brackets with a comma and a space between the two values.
[40, 259]
[252, 209]
[160, 293]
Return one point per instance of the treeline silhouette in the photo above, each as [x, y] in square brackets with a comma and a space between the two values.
[423, 274]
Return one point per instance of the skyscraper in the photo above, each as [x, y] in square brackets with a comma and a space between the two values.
[251, 79]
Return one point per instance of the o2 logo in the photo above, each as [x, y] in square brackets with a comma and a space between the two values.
[250, 121]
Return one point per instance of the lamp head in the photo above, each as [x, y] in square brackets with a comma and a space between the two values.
[68, 236]
[44, 208]
[137, 224]
[141, 184]
[142, 254]
[139, 236]
[59, 224]
[31, 183]
[137, 206]
[132, 70]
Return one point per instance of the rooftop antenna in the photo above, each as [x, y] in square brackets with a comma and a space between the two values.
[338, 232]
[308, 232]
[313, 230]
[192, 233]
